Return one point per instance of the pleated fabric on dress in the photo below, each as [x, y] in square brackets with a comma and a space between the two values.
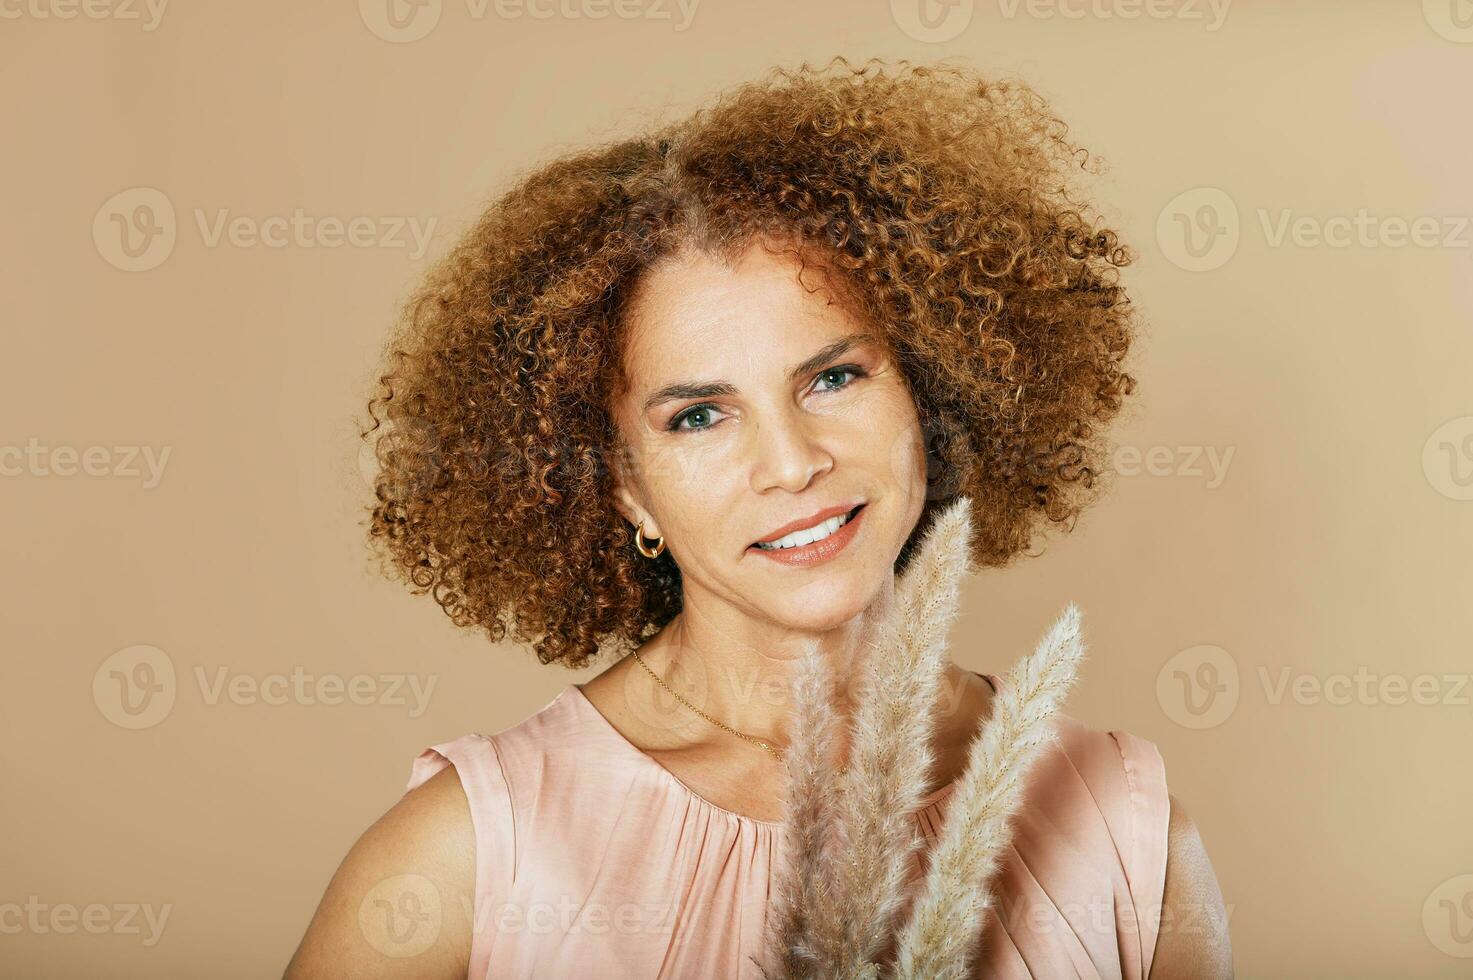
[593, 860]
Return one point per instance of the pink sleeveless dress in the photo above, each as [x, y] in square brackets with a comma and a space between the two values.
[593, 860]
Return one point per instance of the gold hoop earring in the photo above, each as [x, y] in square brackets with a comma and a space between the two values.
[639, 543]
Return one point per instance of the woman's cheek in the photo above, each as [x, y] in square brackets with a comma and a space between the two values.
[907, 458]
[893, 438]
[694, 465]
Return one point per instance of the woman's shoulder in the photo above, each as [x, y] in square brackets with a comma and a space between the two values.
[478, 762]
[476, 778]
[1107, 788]
[420, 888]
[1125, 772]
[1091, 835]
[1106, 780]
[530, 771]
[393, 907]
[487, 760]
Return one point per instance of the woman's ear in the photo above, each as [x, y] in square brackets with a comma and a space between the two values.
[626, 505]
[639, 520]
[627, 502]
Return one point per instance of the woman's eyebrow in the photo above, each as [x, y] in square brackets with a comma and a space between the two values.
[712, 389]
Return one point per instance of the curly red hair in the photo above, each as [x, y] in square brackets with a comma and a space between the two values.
[939, 200]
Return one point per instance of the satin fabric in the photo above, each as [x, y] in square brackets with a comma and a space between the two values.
[593, 860]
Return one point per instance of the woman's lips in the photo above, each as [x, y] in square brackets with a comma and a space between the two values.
[809, 522]
[818, 551]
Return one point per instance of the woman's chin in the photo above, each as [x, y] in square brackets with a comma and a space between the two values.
[824, 607]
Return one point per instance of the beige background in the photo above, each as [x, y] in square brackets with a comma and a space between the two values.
[1330, 383]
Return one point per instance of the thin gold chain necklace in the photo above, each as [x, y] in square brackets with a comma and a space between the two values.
[760, 743]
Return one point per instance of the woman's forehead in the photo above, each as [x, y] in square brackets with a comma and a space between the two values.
[756, 308]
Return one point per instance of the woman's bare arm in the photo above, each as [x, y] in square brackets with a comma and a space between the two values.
[400, 904]
[1193, 943]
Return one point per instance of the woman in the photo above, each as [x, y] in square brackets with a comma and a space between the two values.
[696, 396]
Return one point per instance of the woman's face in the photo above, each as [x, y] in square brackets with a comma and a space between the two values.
[754, 404]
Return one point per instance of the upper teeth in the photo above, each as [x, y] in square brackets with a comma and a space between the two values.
[808, 535]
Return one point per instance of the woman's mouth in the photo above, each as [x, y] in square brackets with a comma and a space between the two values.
[813, 545]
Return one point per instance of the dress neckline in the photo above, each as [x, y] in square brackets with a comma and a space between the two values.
[929, 801]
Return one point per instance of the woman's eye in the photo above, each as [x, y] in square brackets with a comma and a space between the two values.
[840, 371]
[698, 415]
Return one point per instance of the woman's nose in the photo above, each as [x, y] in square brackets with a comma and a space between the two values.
[789, 453]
